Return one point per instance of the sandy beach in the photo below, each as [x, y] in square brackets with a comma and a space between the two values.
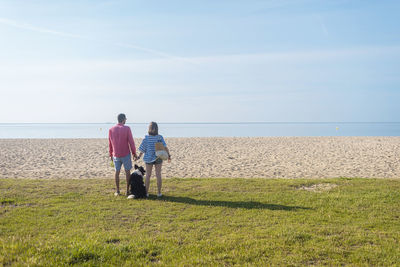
[263, 157]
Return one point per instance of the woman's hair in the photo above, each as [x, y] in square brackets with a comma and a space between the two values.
[153, 128]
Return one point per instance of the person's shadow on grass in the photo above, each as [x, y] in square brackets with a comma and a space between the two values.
[231, 204]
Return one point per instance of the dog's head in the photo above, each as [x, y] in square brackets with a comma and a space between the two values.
[140, 169]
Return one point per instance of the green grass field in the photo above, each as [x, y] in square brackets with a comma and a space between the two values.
[200, 222]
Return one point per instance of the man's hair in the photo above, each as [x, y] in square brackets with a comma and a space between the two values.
[153, 128]
[121, 117]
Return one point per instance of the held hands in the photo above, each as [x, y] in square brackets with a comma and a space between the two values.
[138, 157]
[135, 157]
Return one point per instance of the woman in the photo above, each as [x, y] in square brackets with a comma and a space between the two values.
[147, 147]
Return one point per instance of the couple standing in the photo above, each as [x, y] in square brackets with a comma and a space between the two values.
[121, 146]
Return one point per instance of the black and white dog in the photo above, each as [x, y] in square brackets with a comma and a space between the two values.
[136, 185]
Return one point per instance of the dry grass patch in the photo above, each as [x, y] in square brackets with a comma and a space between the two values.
[318, 188]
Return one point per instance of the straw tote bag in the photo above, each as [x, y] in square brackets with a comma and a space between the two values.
[161, 152]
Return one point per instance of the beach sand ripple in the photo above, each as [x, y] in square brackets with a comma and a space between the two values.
[253, 157]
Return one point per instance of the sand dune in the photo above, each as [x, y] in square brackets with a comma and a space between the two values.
[263, 157]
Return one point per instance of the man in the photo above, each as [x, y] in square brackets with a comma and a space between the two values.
[121, 145]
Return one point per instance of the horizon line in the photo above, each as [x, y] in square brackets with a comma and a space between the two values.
[205, 122]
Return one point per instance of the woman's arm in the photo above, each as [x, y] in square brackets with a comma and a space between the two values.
[166, 148]
[169, 155]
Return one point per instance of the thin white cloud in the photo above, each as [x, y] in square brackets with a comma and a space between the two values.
[30, 27]
[220, 62]
[154, 52]
[323, 26]
[307, 56]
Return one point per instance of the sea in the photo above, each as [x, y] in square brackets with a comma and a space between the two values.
[206, 129]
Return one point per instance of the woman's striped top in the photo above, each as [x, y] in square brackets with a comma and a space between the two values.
[148, 147]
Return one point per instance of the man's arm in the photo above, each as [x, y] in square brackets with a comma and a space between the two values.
[132, 143]
[110, 147]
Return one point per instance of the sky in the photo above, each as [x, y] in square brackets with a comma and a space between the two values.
[86, 61]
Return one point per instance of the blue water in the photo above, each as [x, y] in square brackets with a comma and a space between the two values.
[100, 130]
